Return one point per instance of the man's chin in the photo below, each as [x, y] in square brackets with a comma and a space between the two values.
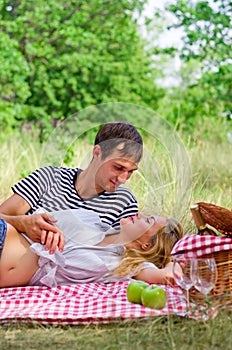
[111, 188]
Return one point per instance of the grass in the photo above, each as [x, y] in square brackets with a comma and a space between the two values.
[161, 333]
[157, 191]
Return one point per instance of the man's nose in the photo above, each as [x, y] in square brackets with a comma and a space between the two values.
[123, 177]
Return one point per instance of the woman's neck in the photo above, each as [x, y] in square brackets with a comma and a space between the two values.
[118, 238]
[111, 239]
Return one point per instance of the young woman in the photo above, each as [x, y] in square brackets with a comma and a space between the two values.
[141, 250]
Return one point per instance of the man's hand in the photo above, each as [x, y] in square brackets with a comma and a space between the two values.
[38, 227]
[41, 228]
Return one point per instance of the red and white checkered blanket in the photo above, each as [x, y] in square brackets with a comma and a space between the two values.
[98, 302]
[80, 304]
[197, 245]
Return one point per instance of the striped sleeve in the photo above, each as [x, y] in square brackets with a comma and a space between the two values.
[32, 187]
[125, 205]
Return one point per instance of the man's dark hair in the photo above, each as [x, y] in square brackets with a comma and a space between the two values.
[114, 134]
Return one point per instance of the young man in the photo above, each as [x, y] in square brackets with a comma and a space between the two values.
[116, 153]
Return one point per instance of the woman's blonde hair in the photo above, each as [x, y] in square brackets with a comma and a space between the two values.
[158, 252]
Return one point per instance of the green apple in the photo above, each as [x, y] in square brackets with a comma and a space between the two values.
[154, 297]
[134, 291]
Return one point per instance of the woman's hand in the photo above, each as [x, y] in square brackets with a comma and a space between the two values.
[168, 273]
[52, 240]
[41, 228]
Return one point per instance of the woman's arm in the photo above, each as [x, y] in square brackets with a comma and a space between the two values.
[154, 275]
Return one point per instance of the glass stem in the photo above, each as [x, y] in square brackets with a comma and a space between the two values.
[187, 298]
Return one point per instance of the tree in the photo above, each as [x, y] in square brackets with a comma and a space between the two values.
[207, 26]
[62, 56]
[207, 44]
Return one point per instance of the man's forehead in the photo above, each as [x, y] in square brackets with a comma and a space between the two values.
[126, 163]
[117, 153]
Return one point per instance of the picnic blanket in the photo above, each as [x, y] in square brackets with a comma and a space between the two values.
[87, 303]
[91, 303]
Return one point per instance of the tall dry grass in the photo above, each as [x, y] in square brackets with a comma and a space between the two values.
[169, 179]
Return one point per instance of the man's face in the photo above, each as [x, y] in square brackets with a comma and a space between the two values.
[113, 171]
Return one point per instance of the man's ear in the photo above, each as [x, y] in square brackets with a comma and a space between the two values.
[97, 151]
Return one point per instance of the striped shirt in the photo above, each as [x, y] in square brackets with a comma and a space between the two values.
[53, 188]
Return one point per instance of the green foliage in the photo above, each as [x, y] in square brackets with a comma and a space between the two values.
[62, 56]
[207, 42]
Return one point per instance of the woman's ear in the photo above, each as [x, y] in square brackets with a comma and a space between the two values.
[145, 246]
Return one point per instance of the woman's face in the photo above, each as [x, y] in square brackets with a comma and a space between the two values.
[141, 227]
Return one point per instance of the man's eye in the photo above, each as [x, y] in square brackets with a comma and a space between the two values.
[118, 168]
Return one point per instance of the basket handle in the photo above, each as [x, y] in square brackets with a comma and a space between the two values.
[199, 221]
[202, 226]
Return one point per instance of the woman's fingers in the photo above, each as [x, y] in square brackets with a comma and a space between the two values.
[48, 240]
[43, 236]
[61, 242]
[53, 240]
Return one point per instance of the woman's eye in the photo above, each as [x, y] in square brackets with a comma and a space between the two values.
[151, 220]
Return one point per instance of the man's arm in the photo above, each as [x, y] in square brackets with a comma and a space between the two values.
[38, 227]
[14, 205]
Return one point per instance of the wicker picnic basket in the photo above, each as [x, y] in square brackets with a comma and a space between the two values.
[211, 219]
[222, 292]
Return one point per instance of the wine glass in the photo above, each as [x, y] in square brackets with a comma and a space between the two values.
[182, 273]
[204, 274]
